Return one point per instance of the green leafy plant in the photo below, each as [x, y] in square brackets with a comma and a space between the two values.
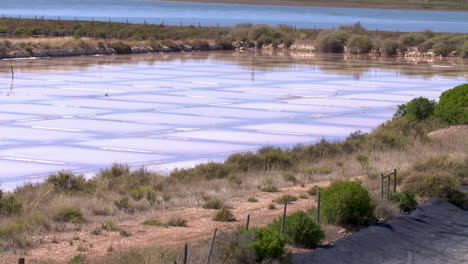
[346, 203]
[177, 221]
[213, 204]
[268, 243]
[224, 215]
[406, 200]
[300, 230]
[69, 215]
[453, 106]
[270, 189]
[419, 108]
[287, 198]
[252, 200]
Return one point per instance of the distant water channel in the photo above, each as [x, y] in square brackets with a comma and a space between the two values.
[174, 110]
[187, 13]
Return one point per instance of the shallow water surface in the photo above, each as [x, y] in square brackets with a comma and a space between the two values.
[207, 14]
[173, 110]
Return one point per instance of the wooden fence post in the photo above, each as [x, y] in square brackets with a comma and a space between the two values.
[381, 186]
[247, 223]
[394, 181]
[318, 207]
[284, 217]
[185, 253]
[211, 246]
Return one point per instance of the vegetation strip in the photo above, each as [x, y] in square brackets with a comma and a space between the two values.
[45, 38]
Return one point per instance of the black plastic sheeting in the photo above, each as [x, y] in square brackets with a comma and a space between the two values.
[435, 232]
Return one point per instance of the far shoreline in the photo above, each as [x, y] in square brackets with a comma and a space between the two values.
[337, 4]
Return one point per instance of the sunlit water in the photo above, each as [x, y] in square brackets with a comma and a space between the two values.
[174, 13]
[174, 110]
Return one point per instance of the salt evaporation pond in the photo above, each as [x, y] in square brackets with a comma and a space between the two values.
[164, 111]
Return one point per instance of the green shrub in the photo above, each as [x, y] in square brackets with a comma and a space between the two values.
[458, 198]
[464, 50]
[346, 203]
[430, 184]
[109, 225]
[137, 193]
[213, 204]
[300, 230]
[9, 205]
[77, 259]
[270, 189]
[390, 47]
[69, 215]
[411, 40]
[20, 31]
[224, 215]
[151, 196]
[313, 190]
[66, 181]
[303, 196]
[331, 41]
[289, 176]
[406, 200]
[123, 204]
[207, 171]
[180, 222]
[125, 233]
[3, 29]
[252, 200]
[272, 206]
[359, 44]
[268, 243]
[152, 222]
[419, 108]
[287, 198]
[453, 106]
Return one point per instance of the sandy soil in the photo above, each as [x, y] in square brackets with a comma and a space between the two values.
[57, 246]
[402, 5]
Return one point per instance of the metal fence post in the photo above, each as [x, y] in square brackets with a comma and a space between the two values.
[247, 223]
[21, 261]
[388, 186]
[318, 207]
[185, 253]
[211, 246]
[284, 217]
[394, 180]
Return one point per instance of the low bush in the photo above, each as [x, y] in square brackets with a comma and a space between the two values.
[359, 44]
[152, 222]
[224, 215]
[331, 41]
[406, 200]
[270, 189]
[287, 198]
[431, 184]
[69, 215]
[313, 190]
[9, 205]
[411, 40]
[390, 47]
[419, 108]
[300, 230]
[346, 203]
[268, 243]
[213, 204]
[109, 225]
[453, 106]
[66, 181]
[252, 200]
[180, 222]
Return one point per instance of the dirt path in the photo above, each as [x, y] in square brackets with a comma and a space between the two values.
[62, 246]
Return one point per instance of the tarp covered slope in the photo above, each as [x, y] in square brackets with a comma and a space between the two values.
[435, 232]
